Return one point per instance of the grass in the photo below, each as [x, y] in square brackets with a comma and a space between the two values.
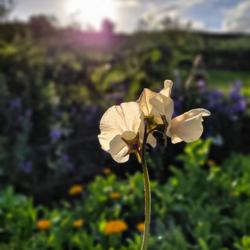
[223, 79]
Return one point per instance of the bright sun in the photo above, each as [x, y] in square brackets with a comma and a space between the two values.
[92, 11]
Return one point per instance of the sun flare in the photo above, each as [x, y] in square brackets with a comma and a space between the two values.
[91, 12]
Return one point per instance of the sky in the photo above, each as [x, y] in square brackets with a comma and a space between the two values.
[214, 15]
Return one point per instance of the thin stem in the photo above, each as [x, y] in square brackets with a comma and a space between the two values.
[147, 192]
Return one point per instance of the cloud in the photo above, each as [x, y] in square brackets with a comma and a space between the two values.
[171, 14]
[127, 3]
[145, 3]
[237, 19]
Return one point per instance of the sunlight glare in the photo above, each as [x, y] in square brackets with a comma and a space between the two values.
[92, 12]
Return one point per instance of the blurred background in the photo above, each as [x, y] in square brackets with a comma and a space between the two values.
[62, 64]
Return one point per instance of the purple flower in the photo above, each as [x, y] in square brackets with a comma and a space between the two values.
[26, 167]
[235, 90]
[215, 99]
[201, 83]
[15, 103]
[66, 157]
[90, 113]
[68, 164]
[240, 105]
[215, 94]
[55, 134]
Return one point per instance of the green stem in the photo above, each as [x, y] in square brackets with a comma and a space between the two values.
[147, 193]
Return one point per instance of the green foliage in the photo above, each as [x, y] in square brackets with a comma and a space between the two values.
[17, 217]
[196, 154]
[201, 206]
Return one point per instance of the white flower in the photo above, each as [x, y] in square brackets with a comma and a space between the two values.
[186, 127]
[122, 128]
[157, 105]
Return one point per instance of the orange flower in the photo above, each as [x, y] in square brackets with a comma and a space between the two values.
[115, 195]
[107, 171]
[43, 224]
[78, 223]
[140, 227]
[115, 227]
[76, 189]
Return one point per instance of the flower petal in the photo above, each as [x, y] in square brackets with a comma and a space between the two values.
[162, 106]
[111, 124]
[132, 116]
[188, 126]
[144, 101]
[119, 149]
[166, 91]
[117, 120]
[157, 104]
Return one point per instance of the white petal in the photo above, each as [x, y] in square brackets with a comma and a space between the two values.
[119, 149]
[111, 124]
[144, 101]
[117, 120]
[175, 139]
[162, 106]
[188, 126]
[132, 116]
[166, 91]
[105, 139]
[157, 104]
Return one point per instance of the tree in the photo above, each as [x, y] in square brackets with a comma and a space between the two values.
[5, 7]
[107, 27]
[41, 25]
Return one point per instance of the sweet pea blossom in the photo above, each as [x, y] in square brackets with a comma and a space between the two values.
[122, 128]
[186, 127]
[155, 105]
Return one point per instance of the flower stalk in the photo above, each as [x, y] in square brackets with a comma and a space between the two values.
[147, 191]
